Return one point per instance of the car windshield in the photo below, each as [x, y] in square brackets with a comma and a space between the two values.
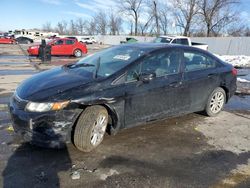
[109, 61]
[162, 40]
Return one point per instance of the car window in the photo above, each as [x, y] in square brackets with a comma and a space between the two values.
[161, 64]
[197, 61]
[174, 41]
[133, 73]
[111, 60]
[180, 41]
[59, 42]
[162, 40]
[184, 41]
[70, 42]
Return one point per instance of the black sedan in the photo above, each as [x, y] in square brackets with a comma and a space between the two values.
[118, 88]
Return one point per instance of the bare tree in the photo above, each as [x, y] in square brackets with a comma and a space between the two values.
[185, 12]
[62, 27]
[156, 16]
[101, 22]
[247, 32]
[132, 8]
[217, 14]
[80, 24]
[47, 27]
[72, 28]
[131, 25]
[115, 24]
[91, 27]
[164, 20]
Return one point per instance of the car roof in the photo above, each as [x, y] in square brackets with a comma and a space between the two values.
[174, 36]
[151, 46]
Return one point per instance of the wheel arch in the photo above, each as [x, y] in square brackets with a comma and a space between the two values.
[226, 91]
[74, 49]
[113, 125]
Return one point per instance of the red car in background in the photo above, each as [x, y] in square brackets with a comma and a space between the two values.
[62, 46]
[7, 40]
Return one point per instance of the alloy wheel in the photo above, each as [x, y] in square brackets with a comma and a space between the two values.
[217, 102]
[98, 130]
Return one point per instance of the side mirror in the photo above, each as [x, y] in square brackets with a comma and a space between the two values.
[52, 44]
[147, 77]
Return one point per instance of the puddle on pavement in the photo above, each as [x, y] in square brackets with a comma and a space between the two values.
[4, 100]
[4, 114]
[13, 57]
[17, 72]
[14, 63]
[244, 73]
[238, 102]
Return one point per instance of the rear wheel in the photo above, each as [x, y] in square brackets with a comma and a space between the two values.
[90, 128]
[215, 102]
[78, 53]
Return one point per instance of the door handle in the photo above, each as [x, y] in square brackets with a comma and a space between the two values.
[211, 74]
[174, 84]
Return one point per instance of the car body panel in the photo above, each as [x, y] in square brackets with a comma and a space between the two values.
[6, 40]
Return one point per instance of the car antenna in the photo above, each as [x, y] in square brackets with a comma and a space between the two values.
[97, 67]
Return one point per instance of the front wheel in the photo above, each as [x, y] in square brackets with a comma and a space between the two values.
[78, 53]
[90, 128]
[215, 102]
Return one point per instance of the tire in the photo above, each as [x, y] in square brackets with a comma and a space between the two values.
[77, 53]
[90, 128]
[216, 102]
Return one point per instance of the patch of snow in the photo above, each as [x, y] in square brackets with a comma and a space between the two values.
[110, 173]
[236, 60]
[243, 80]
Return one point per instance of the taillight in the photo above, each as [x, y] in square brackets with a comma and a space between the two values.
[234, 71]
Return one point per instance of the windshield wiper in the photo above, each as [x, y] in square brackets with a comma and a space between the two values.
[97, 67]
[72, 65]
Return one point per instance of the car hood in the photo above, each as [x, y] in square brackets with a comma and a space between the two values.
[47, 85]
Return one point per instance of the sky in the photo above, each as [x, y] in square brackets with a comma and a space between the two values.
[28, 14]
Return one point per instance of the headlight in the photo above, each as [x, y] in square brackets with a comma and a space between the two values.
[44, 107]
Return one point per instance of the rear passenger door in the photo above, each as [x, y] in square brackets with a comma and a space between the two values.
[68, 47]
[200, 77]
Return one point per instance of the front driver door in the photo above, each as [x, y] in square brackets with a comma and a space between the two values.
[161, 96]
[57, 47]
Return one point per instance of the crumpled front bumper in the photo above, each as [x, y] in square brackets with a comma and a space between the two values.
[47, 129]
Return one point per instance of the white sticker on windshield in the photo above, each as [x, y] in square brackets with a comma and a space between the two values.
[122, 57]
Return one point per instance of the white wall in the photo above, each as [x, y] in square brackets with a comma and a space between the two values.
[218, 45]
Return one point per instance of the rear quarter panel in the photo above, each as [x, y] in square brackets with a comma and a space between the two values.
[228, 80]
[81, 46]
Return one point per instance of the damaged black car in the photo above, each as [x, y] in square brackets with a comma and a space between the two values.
[117, 88]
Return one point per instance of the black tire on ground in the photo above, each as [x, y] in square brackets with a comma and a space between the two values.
[77, 53]
[84, 129]
[211, 100]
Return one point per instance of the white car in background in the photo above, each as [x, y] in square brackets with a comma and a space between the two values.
[180, 40]
[87, 40]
